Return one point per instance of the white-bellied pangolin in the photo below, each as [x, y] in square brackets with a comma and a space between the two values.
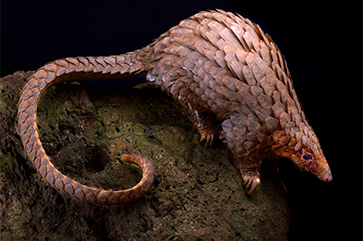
[220, 66]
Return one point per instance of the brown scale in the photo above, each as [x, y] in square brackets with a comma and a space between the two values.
[222, 67]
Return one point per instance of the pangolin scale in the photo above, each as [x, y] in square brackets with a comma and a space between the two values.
[221, 67]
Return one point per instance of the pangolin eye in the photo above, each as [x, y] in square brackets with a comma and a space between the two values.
[307, 157]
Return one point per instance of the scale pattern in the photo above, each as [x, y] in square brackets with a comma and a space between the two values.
[221, 67]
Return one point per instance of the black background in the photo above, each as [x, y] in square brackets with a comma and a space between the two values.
[321, 41]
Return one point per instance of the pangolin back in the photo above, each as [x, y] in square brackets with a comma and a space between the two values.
[220, 66]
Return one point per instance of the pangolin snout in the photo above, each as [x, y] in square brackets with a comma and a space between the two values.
[327, 177]
[322, 171]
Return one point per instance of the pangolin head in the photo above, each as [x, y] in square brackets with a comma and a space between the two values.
[308, 160]
[303, 148]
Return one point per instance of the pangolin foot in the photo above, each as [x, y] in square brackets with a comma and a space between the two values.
[251, 182]
[208, 135]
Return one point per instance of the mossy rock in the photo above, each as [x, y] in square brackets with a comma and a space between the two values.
[197, 194]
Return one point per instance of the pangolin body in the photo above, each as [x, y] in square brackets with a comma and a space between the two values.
[220, 66]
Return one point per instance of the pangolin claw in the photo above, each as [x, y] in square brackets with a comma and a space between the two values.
[251, 183]
[208, 138]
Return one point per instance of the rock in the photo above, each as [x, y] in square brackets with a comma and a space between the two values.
[197, 194]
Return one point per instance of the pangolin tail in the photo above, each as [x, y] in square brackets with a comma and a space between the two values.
[67, 70]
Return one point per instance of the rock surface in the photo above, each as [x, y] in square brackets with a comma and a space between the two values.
[197, 194]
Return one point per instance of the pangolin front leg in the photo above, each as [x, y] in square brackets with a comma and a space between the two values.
[216, 64]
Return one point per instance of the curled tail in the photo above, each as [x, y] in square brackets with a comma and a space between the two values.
[67, 70]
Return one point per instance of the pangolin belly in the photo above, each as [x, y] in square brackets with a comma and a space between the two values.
[223, 69]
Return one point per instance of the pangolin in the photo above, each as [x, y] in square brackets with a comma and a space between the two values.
[222, 68]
